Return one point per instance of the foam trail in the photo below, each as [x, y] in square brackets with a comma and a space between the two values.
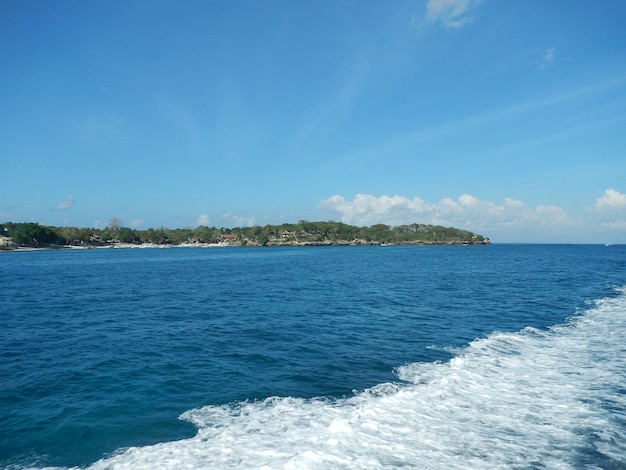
[532, 399]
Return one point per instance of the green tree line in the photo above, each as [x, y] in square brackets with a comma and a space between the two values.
[304, 232]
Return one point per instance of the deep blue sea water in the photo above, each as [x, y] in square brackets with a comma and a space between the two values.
[501, 356]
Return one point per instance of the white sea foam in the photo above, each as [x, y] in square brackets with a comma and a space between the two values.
[532, 399]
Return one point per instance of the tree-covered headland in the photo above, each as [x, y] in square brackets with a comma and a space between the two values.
[33, 235]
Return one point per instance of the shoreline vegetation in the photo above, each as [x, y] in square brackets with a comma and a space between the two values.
[29, 236]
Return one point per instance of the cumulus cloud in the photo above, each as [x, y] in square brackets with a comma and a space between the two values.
[203, 219]
[66, 204]
[365, 206]
[466, 211]
[612, 204]
[610, 200]
[450, 13]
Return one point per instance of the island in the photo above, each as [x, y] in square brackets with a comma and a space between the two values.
[30, 235]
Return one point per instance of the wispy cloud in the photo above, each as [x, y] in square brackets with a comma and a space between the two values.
[617, 225]
[137, 223]
[203, 219]
[450, 14]
[66, 204]
[238, 219]
[547, 59]
[100, 126]
[483, 121]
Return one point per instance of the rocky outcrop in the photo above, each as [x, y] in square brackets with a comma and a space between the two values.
[6, 244]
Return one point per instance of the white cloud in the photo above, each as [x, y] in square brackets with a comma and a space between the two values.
[365, 209]
[466, 212]
[511, 220]
[66, 204]
[136, 223]
[610, 200]
[203, 219]
[611, 203]
[238, 219]
[547, 60]
[450, 13]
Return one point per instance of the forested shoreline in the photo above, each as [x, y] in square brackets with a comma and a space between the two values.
[33, 235]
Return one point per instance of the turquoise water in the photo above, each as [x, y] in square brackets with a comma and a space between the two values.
[318, 357]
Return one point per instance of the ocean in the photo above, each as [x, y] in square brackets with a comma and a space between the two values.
[417, 357]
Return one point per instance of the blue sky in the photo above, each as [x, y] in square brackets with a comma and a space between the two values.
[507, 118]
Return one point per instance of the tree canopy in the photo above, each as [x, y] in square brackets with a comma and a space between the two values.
[301, 233]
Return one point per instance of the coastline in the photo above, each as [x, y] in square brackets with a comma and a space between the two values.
[29, 236]
[115, 246]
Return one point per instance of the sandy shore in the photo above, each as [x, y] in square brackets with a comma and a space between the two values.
[121, 245]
